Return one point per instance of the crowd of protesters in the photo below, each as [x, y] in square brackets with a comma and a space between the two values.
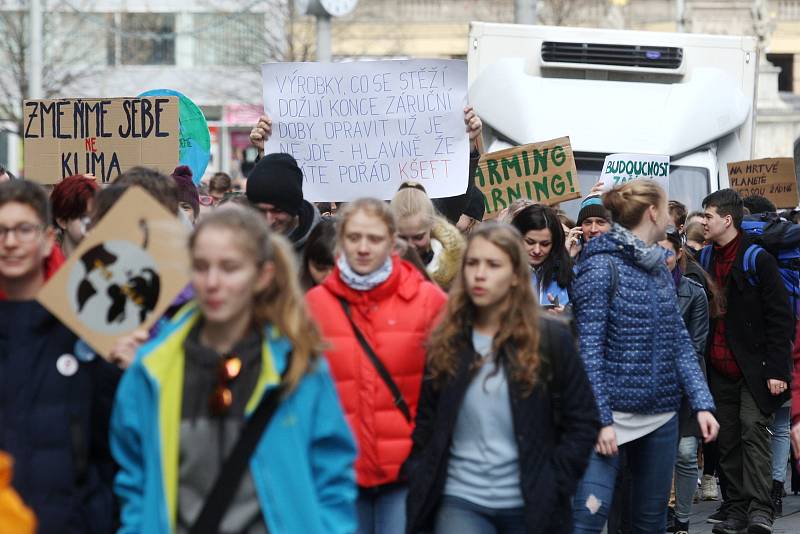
[402, 367]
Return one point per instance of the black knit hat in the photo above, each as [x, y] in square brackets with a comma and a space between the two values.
[593, 207]
[276, 179]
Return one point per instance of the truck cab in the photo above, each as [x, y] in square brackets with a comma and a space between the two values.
[688, 96]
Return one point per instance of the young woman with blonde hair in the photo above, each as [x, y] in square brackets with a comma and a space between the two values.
[244, 348]
[506, 417]
[376, 311]
[439, 244]
[639, 357]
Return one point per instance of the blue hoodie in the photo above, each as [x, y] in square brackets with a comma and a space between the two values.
[637, 352]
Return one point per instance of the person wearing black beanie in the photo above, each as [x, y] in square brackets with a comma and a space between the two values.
[275, 188]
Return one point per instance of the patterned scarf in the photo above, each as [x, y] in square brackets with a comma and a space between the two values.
[363, 282]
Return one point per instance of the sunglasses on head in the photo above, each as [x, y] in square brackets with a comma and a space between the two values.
[222, 397]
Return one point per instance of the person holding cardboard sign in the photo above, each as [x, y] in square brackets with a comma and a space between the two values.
[55, 398]
[234, 381]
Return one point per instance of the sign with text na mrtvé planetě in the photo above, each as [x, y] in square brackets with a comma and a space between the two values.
[773, 178]
[362, 128]
[124, 274]
[619, 169]
[103, 137]
[543, 172]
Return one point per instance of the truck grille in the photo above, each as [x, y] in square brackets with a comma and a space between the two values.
[652, 57]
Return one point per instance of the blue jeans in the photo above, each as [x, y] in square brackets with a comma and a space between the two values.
[651, 459]
[780, 443]
[463, 517]
[382, 510]
[685, 477]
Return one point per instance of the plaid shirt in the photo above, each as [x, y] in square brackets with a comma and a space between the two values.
[720, 354]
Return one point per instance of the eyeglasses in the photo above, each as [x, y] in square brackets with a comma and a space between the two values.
[23, 232]
[222, 398]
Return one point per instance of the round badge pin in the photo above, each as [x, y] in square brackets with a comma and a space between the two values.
[67, 365]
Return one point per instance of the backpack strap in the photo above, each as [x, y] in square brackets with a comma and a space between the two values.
[705, 257]
[750, 256]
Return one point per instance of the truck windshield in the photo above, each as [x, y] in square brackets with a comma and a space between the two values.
[689, 185]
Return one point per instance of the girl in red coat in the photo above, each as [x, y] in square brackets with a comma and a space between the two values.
[376, 311]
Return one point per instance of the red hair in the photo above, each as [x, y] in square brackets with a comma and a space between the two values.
[70, 198]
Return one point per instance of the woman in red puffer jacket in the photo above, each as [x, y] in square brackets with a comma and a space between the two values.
[394, 309]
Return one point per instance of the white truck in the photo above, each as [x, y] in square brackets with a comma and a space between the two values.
[689, 96]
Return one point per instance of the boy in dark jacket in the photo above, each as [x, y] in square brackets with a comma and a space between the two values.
[748, 351]
[55, 400]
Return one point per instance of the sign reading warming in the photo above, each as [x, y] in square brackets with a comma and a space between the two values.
[543, 172]
[103, 137]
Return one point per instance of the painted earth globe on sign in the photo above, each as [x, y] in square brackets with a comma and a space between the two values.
[114, 287]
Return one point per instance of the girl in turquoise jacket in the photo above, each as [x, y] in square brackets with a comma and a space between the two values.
[181, 406]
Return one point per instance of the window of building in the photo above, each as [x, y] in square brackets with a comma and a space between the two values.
[147, 39]
[234, 39]
[786, 63]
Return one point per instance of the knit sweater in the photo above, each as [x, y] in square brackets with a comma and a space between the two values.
[637, 352]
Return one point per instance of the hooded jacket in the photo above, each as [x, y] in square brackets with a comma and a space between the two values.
[396, 318]
[301, 467]
[638, 354]
[448, 248]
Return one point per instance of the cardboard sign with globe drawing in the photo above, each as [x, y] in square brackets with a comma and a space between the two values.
[124, 274]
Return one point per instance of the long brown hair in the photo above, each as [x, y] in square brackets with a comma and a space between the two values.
[281, 304]
[519, 333]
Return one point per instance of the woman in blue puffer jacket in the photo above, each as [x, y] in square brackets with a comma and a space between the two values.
[639, 358]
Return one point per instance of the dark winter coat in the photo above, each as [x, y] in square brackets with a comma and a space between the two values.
[759, 326]
[54, 420]
[693, 304]
[636, 349]
[554, 443]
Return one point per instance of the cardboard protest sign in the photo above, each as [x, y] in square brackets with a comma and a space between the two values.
[362, 128]
[543, 172]
[124, 274]
[773, 178]
[100, 137]
[619, 169]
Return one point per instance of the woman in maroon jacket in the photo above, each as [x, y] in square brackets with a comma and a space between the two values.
[376, 311]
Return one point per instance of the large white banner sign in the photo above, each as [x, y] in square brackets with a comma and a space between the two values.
[362, 128]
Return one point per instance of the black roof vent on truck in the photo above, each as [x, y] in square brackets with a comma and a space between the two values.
[652, 57]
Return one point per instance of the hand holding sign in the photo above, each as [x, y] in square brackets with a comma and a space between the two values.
[362, 128]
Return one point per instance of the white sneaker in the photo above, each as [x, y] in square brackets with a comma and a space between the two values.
[708, 488]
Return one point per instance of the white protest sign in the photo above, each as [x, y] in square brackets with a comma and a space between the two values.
[362, 128]
[622, 168]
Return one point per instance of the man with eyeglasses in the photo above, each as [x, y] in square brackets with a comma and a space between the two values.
[55, 398]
